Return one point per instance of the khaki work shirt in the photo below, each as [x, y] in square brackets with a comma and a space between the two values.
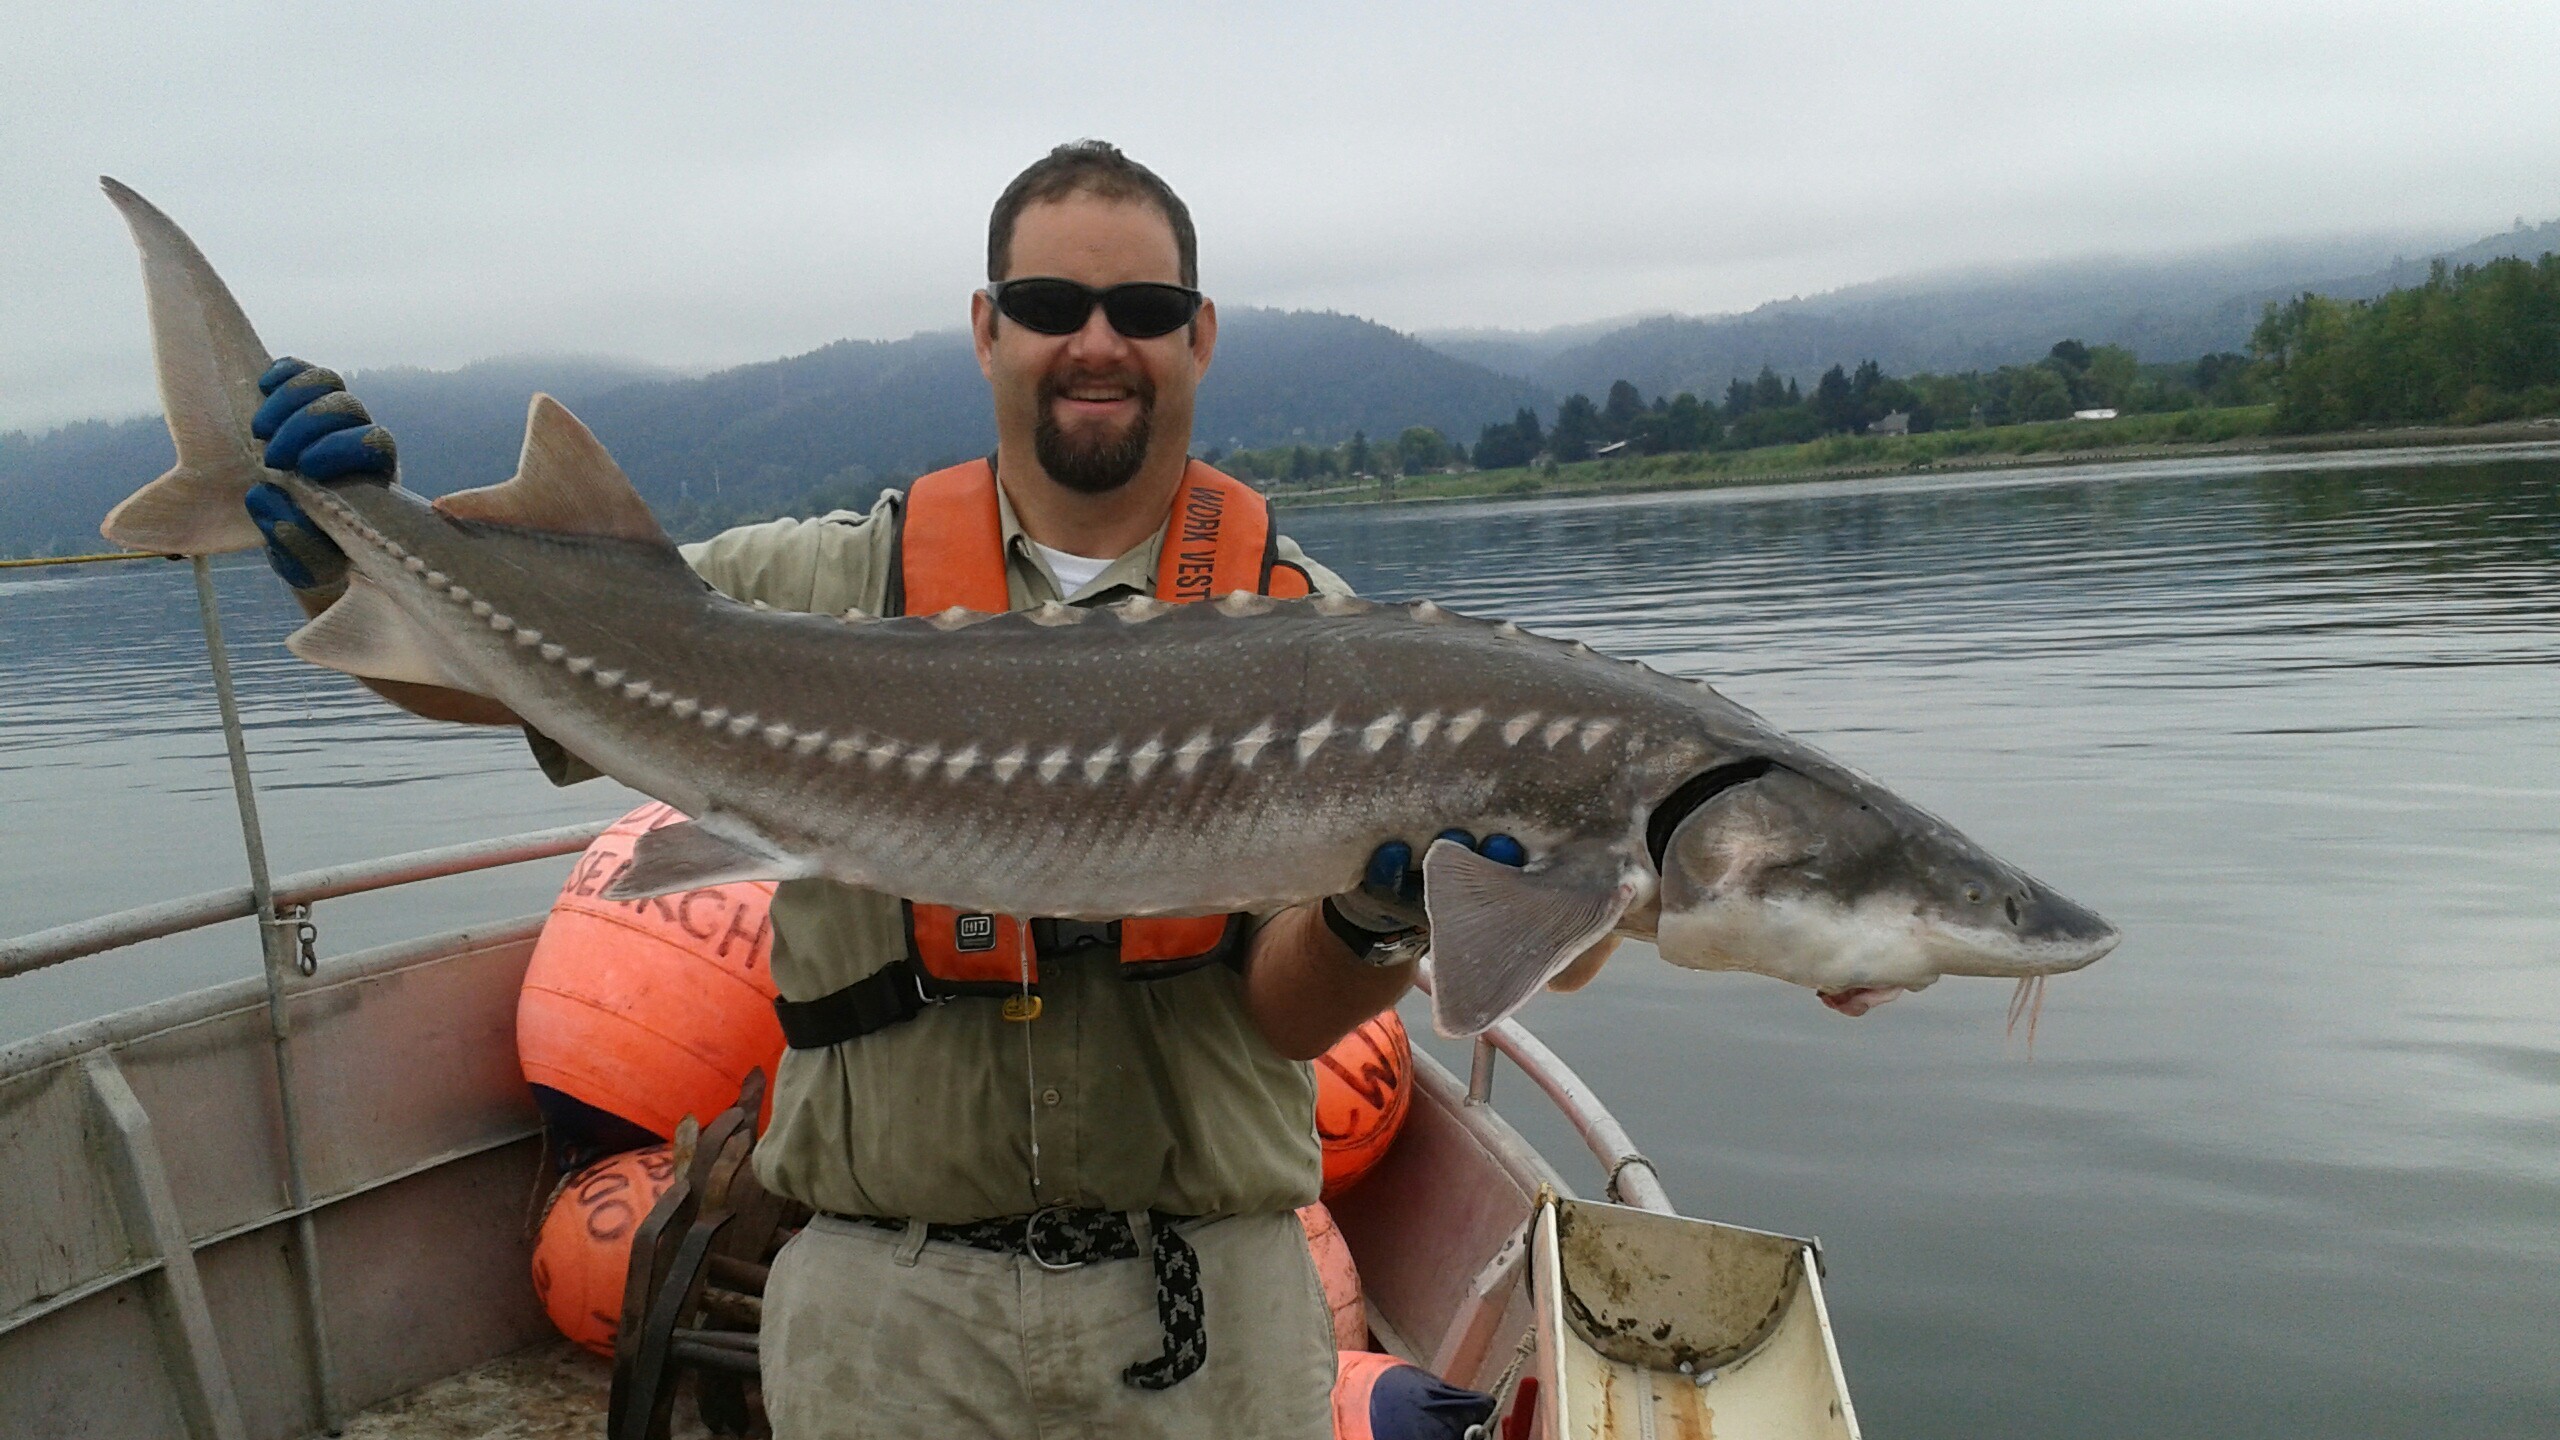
[1123, 1094]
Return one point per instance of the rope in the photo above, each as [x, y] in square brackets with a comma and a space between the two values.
[1632, 1157]
[35, 560]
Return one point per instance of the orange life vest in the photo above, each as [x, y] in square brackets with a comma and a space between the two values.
[951, 552]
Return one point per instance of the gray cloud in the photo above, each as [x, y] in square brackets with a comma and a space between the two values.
[435, 183]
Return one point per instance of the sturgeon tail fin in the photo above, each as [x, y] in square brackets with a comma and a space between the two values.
[209, 361]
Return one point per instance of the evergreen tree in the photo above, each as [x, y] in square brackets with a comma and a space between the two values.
[1577, 430]
[1835, 405]
[1618, 413]
[1769, 392]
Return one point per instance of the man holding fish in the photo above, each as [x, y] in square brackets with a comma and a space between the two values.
[999, 1119]
[994, 1175]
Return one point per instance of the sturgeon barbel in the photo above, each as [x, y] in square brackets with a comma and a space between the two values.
[1141, 759]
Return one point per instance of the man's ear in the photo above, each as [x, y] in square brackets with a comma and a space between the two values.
[982, 331]
[1204, 335]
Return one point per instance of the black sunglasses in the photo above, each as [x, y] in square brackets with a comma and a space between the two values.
[1141, 310]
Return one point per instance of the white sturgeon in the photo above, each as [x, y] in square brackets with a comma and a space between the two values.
[1136, 760]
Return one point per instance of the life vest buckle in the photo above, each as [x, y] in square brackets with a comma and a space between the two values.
[1022, 1008]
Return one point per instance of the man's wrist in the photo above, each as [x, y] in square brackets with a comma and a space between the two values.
[1380, 948]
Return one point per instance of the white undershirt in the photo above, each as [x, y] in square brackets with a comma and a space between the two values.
[1073, 572]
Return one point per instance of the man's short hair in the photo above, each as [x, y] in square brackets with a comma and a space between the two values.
[1088, 167]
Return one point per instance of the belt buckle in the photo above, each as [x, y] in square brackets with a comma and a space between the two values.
[1031, 1242]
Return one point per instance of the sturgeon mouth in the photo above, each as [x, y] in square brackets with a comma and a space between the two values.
[1859, 999]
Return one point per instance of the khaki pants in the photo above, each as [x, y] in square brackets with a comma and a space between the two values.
[873, 1335]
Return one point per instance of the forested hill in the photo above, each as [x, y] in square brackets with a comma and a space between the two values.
[2170, 309]
[464, 425]
[756, 439]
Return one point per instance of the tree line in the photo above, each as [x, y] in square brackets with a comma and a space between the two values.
[1771, 409]
[2468, 345]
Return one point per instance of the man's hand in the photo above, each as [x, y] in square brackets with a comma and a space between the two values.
[1383, 921]
[1318, 970]
[314, 428]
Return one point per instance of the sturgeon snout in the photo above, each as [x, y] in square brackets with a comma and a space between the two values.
[1802, 870]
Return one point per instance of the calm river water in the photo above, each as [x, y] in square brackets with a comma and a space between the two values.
[2288, 1163]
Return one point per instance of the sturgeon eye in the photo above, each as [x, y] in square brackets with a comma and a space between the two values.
[1973, 892]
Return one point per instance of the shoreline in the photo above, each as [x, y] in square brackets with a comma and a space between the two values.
[1565, 486]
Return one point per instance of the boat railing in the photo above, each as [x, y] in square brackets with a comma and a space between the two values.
[283, 908]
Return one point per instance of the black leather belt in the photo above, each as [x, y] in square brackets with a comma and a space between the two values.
[1067, 1237]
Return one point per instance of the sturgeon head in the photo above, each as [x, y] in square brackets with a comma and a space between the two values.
[1800, 869]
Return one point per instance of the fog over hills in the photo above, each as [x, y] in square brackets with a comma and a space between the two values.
[848, 416]
[2170, 308]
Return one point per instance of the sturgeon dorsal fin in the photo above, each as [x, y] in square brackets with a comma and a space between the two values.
[565, 483]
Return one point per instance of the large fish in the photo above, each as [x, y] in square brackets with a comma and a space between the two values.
[1144, 759]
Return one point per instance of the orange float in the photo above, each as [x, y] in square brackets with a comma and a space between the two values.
[647, 1010]
[1364, 1085]
[584, 1250]
[1341, 1277]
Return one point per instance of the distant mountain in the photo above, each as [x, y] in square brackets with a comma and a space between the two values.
[762, 436]
[2162, 309]
[1299, 376]
[2529, 242]
[855, 411]
[456, 427]
[1520, 352]
[463, 427]
[2166, 309]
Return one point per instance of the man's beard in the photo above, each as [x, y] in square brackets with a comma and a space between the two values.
[1099, 465]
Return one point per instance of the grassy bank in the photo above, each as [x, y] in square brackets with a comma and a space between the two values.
[1831, 457]
[2187, 432]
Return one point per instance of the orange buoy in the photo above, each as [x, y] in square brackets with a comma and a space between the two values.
[1379, 1397]
[646, 1010]
[1364, 1084]
[585, 1247]
[1340, 1276]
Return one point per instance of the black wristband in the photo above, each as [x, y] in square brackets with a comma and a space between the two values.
[1359, 939]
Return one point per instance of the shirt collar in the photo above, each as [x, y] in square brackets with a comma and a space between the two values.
[1135, 570]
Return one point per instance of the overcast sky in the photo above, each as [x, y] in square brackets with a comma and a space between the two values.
[701, 185]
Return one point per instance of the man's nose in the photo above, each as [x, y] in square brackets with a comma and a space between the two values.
[1097, 340]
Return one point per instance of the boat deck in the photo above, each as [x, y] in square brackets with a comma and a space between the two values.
[551, 1391]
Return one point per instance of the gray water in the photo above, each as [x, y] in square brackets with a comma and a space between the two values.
[2288, 1163]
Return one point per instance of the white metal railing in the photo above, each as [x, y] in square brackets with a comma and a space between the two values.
[1631, 1177]
[292, 895]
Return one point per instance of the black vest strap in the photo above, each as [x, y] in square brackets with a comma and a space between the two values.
[891, 995]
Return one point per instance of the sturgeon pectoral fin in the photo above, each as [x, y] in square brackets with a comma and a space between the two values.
[1499, 932]
[367, 634]
[686, 856]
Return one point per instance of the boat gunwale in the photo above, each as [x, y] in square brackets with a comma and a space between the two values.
[121, 929]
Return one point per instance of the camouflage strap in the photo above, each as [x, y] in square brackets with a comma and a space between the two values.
[1064, 1238]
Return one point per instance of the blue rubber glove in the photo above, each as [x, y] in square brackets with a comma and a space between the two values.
[297, 551]
[1387, 908]
[315, 428]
